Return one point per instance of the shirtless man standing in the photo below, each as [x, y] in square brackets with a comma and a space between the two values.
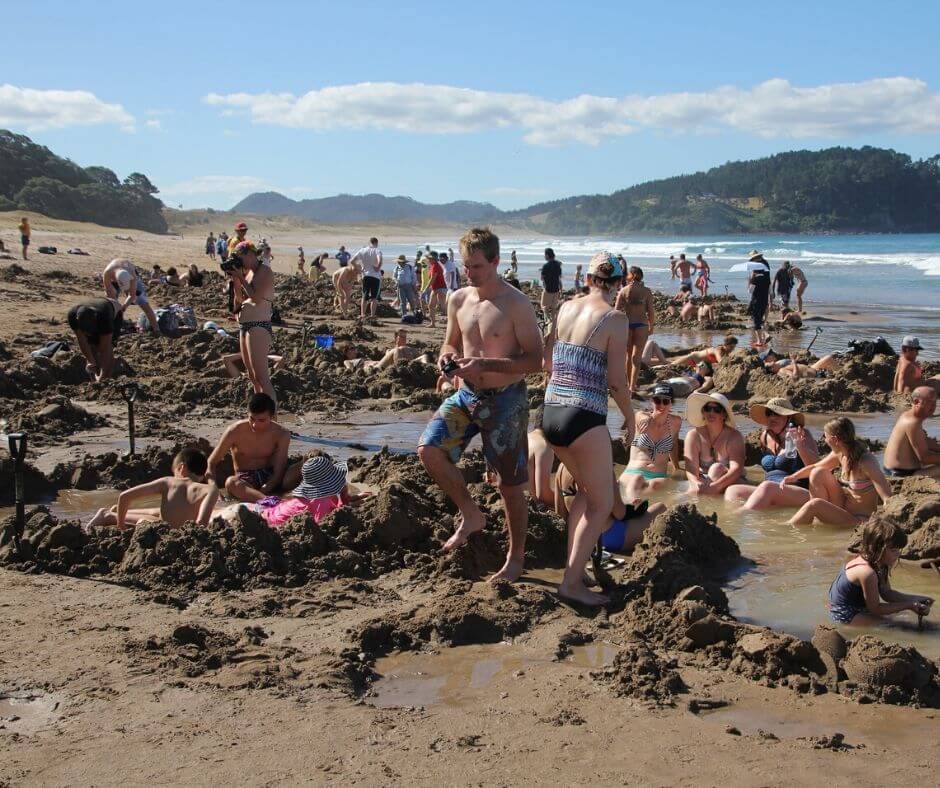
[909, 451]
[683, 268]
[343, 280]
[492, 342]
[184, 497]
[258, 446]
[119, 276]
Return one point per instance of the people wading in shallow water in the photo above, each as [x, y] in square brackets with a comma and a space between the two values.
[655, 445]
[492, 342]
[254, 294]
[714, 450]
[588, 361]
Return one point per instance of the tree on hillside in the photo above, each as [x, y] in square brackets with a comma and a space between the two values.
[104, 176]
[140, 182]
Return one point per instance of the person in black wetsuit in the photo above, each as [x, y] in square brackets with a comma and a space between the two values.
[759, 282]
[97, 323]
[783, 283]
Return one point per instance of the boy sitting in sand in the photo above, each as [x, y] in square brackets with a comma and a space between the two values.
[183, 496]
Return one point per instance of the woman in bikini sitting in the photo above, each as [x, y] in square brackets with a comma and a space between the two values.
[779, 420]
[589, 355]
[852, 497]
[714, 449]
[254, 292]
[655, 444]
[636, 301]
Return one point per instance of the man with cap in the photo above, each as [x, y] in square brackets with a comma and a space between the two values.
[241, 231]
[407, 286]
[759, 283]
[910, 451]
[783, 283]
[909, 374]
[120, 276]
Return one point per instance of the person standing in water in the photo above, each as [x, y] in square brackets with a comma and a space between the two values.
[551, 285]
[589, 350]
[636, 302]
[759, 283]
[800, 278]
[492, 343]
[704, 275]
[783, 283]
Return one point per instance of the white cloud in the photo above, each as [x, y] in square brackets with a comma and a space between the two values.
[37, 110]
[154, 124]
[771, 109]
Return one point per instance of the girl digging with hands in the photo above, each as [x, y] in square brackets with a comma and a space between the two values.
[862, 588]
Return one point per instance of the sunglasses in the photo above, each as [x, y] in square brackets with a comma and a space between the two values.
[662, 401]
[915, 349]
[713, 409]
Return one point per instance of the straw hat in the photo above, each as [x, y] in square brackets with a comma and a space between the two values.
[697, 400]
[321, 478]
[779, 406]
[401, 259]
[756, 257]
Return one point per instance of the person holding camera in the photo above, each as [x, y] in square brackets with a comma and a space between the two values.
[253, 285]
[492, 343]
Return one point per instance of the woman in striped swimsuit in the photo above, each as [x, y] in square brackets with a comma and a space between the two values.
[656, 442]
[852, 497]
[588, 359]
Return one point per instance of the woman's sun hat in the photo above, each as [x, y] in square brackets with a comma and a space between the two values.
[756, 257]
[780, 406]
[321, 478]
[605, 265]
[697, 400]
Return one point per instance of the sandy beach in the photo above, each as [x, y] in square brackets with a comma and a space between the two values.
[360, 655]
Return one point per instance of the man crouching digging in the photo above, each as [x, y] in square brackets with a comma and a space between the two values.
[492, 342]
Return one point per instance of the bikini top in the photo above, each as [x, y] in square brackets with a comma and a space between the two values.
[663, 446]
[858, 485]
[579, 374]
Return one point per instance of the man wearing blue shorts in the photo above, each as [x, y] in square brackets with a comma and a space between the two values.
[493, 341]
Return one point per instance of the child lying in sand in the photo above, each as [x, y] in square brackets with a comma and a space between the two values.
[322, 490]
[862, 583]
[183, 497]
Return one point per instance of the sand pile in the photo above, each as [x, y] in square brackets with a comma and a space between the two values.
[729, 312]
[915, 508]
[243, 662]
[52, 419]
[892, 673]
[639, 672]
[36, 486]
[297, 295]
[122, 471]
[462, 614]
[854, 386]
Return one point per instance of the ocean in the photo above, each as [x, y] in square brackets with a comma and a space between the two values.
[892, 282]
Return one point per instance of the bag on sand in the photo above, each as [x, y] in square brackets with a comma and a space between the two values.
[167, 321]
[868, 349]
[47, 250]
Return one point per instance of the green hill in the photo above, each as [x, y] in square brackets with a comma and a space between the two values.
[832, 190]
[33, 178]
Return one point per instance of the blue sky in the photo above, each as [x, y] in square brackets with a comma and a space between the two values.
[444, 101]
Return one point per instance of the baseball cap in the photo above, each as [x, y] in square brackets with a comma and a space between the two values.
[604, 265]
[911, 341]
[241, 226]
[663, 390]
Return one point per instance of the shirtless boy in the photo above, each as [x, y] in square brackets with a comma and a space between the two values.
[494, 339]
[683, 269]
[183, 497]
[909, 451]
[258, 446]
[343, 280]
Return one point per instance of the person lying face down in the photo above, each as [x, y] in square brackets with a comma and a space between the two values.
[185, 496]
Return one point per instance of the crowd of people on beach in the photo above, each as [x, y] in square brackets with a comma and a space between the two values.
[584, 347]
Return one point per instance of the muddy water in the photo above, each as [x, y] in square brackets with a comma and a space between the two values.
[27, 712]
[83, 504]
[458, 677]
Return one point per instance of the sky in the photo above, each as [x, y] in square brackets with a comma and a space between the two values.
[508, 103]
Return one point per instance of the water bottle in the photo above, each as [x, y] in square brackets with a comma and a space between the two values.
[789, 449]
